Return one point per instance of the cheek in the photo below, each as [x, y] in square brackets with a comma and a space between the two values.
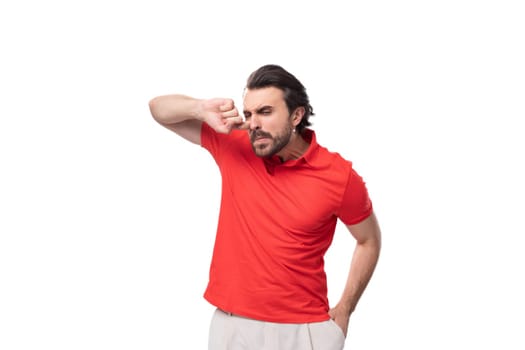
[275, 125]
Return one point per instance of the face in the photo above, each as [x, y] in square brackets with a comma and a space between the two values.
[270, 123]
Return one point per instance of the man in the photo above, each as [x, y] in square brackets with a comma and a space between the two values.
[282, 195]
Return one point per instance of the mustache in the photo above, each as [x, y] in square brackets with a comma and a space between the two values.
[259, 133]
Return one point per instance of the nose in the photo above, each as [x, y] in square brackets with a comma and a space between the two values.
[254, 123]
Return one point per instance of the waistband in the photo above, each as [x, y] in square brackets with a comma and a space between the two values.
[230, 314]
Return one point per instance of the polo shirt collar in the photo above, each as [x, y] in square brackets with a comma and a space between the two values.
[307, 157]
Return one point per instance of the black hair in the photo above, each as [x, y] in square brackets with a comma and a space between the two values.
[294, 92]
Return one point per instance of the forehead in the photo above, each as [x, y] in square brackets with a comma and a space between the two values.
[268, 96]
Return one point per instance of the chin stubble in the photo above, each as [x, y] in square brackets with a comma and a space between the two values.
[277, 143]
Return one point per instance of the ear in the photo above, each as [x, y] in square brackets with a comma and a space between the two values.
[297, 116]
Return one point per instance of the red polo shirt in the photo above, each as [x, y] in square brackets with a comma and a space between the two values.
[275, 224]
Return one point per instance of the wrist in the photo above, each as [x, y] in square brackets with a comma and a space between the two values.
[198, 110]
[346, 307]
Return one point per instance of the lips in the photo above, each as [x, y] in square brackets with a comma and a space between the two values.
[260, 139]
[258, 136]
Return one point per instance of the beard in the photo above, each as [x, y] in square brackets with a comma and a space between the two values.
[272, 143]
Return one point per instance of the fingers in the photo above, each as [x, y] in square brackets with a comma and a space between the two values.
[223, 116]
[234, 122]
[243, 125]
[230, 114]
[229, 124]
[228, 109]
[227, 105]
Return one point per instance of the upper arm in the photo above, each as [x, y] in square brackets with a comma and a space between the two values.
[367, 230]
[188, 129]
[177, 113]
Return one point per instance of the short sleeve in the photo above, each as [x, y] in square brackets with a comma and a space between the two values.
[356, 204]
[220, 145]
[209, 139]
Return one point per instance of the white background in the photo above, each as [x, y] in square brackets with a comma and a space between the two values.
[107, 220]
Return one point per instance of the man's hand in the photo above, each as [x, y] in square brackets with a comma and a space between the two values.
[220, 114]
[341, 317]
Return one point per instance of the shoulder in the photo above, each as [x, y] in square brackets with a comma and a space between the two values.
[321, 155]
[214, 141]
[333, 160]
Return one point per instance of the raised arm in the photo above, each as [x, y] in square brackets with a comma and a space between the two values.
[364, 260]
[184, 115]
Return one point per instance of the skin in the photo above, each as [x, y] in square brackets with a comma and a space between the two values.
[270, 125]
[364, 260]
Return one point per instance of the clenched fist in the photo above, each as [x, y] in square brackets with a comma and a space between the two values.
[221, 114]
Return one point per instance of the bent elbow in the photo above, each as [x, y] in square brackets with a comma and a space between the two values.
[154, 109]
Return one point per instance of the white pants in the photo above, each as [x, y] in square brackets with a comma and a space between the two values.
[230, 332]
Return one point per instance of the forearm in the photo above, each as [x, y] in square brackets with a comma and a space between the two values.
[364, 261]
[173, 109]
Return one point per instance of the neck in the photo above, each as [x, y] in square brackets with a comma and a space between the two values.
[295, 148]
